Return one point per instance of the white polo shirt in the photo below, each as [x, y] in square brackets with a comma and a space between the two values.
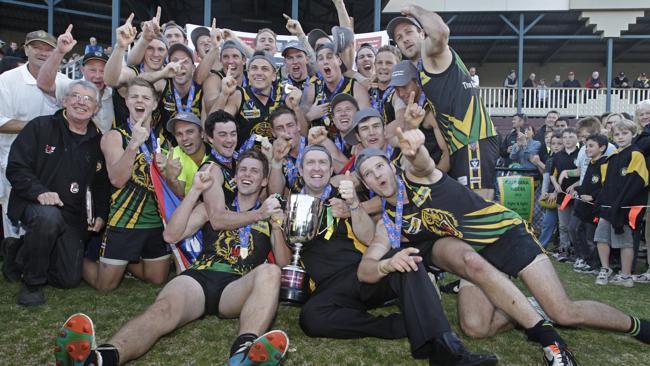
[21, 99]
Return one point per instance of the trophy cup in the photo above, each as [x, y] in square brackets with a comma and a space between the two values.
[301, 226]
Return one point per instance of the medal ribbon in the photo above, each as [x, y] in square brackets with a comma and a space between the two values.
[394, 229]
[292, 167]
[143, 147]
[244, 232]
[190, 99]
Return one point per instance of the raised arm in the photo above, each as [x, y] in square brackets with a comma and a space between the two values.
[150, 30]
[362, 225]
[211, 59]
[277, 180]
[46, 80]
[119, 161]
[115, 72]
[436, 43]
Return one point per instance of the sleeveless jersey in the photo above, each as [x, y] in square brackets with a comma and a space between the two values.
[461, 114]
[222, 251]
[324, 95]
[382, 101]
[448, 209]
[122, 112]
[228, 171]
[253, 116]
[134, 206]
[169, 100]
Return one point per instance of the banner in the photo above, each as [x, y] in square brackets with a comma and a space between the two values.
[517, 193]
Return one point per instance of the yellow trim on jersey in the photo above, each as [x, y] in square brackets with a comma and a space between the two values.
[492, 209]
[357, 244]
[134, 219]
[638, 165]
[498, 225]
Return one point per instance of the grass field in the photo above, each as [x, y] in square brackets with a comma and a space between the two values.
[27, 334]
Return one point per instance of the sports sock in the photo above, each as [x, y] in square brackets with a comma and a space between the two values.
[110, 355]
[544, 333]
[640, 329]
[241, 342]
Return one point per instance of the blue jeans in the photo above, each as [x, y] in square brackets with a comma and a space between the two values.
[549, 223]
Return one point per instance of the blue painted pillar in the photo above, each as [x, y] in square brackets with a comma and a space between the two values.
[294, 9]
[520, 62]
[377, 13]
[50, 16]
[610, 52]
[207, 13]
[115, 19]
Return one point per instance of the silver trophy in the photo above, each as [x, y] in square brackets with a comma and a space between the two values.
[303, 218]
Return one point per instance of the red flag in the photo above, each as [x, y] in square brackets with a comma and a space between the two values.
[565, 201]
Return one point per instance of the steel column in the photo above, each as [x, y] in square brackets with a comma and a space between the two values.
[294, 9]
[207, 13]
[377, 15]
[115, 19]
[610, 53]
[520, 62]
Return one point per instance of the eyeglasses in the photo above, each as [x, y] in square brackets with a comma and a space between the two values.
[83, 98]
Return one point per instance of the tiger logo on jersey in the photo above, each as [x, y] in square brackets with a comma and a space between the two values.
[440, 222]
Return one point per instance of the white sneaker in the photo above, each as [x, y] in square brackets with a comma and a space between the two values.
[622, 280]
[578, 263]
[603, 276]
[642, 278]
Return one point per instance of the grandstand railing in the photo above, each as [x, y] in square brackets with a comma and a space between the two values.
[574, 102]
[72, 69]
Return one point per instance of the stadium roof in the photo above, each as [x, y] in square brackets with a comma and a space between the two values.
[474, 35]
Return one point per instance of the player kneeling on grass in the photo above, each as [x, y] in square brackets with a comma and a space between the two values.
[424, 206]
[229, 279]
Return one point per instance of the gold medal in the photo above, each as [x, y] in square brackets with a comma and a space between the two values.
[243, 252]
[288, 88]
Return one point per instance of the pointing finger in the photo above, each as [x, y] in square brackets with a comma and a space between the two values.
[69, 29]
[157, 17]
[214, 24]
[286, 16]
[129, 20]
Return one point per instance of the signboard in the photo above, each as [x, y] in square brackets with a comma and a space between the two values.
[517, 193]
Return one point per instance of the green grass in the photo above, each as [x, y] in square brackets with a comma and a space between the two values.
[28, 334]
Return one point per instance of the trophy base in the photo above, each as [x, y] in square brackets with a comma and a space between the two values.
[293, 296]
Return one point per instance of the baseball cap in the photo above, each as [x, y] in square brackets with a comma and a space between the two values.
[40, 35]
[293, 45]
[264, 56]
[317, 147]
[173, 24]
[180, 47]
[185, 117]
[343, 37]
[101, 56]
[365, 154]
[199, 32]
[316, 34]
[341, 97]
[403, 73]
[232, 44]
[621, 73]
[390, 29]
[359, 117]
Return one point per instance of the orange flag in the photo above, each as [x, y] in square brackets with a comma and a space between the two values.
[634, 212]
[565, 201]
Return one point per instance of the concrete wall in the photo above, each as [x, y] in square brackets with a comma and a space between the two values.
[494, 74]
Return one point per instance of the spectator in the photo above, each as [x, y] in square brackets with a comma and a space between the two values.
[549, 124]
[560, 125]
[542, 93]
[15, 51]
[49, 192]
[511, 80]
[642, 118]
[621, 81]
[525, 151]
[557, 82]
[571, 82]
[531, 82]
[519, 120]
[108, 50]
[10, 62]
[474, 77]
[641, 82]
[549, 222]
[594, 82]
[93, 47]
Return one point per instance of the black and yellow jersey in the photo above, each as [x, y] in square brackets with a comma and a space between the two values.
[134, 206]
[591, 185]
[228, 171]
[625, 182]
[334, 248]
[253, 115]
[169, 100]
[324, 95]
[460, 112]
[382, 101]
[301, 84]
[222, 251]
[122, 112]
[448, 209]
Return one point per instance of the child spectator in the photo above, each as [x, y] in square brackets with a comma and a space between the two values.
[584, 209]
[565, 160]
[624, 185]
[549, 197]
[642, 118]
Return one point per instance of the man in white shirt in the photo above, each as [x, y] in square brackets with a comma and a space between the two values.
[20, 102]
[474, 77]
[54, 84]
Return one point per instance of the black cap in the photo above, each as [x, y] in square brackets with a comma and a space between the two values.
[316, 34]
[390, 29]
[199, 32]
[359, 117]
[94, 56]
[341, 97]
[180, 47]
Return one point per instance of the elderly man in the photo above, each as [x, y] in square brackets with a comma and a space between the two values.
[92, 68]
[20, 102]
[54, 165]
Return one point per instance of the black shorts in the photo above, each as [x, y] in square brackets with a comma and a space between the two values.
[514, 251]
[121, 245]
[213, 284]
[474, 165]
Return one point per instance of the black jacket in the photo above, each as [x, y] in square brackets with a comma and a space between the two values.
[46, 157]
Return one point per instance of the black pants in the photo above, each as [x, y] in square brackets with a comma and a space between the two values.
[53, 248]
[582, 237]
[338, 309]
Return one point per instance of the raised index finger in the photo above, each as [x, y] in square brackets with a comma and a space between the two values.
[69, 29]
[157, 17]
[286, 16]
[129, 20]
[214, 24]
